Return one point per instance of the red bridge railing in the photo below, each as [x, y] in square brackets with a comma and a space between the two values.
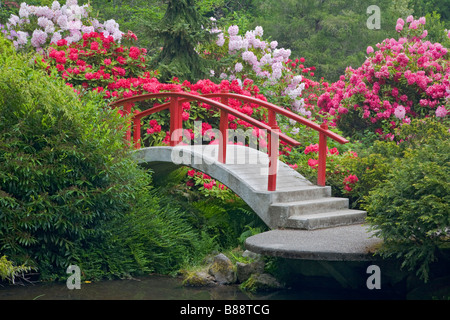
[274, 134]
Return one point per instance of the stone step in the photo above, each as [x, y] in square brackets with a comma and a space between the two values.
[288, 194]
[324, 204]
[326, 219]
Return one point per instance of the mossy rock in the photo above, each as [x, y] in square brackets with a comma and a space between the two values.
[222, 269]
[261, 282]
[199, 278]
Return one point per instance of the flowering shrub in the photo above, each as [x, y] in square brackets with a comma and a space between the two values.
[37, 26]
[406, 78]
[251, 57]
[99, 63]
[339, 166]
[209, 187]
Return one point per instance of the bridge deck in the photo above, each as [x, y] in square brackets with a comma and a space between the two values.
[251, 165]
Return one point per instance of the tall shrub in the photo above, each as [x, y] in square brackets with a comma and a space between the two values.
[180, 31]
[409, 207]
[64, 168]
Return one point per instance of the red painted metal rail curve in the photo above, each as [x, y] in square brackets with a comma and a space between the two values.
[174, 106]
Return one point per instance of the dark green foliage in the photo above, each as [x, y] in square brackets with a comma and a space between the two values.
[6, 10]
[331, 35]
[153, 238]
[409, 208]
[421, 8]
[131, 15]
[65, 169]
[180, 31]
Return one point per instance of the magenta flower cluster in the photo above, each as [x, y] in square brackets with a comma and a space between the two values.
[404, 79]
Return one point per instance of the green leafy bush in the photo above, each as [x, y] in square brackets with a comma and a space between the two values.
[65, 169]
[155, 237]
[374, 161]
[9, 271]
[409, 208]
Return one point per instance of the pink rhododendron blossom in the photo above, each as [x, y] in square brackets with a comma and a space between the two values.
[56, 22]
[405, 76]
[233, 30]
[441, 112]
[400, 112]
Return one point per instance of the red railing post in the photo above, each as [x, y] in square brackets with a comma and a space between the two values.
[127, 112]
[321, 172]
[273, 145]
[223, 126]
[136, 130]
[176, 123]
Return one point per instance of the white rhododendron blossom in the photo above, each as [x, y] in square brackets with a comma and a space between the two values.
[39, 26]
[262, 60]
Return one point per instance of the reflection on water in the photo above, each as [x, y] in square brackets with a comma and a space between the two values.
[147, 288]
[153, 288]
[168, 288]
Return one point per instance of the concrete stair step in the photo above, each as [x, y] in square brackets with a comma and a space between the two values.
[324, 204]
[326, 219]
[286, 194]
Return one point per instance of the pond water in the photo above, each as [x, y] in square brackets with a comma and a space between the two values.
[301, 287]
[144, 288]
[164, 288]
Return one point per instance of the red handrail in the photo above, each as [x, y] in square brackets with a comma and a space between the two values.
[282, 111]
[323, 130]
[272, 128]
[190, 97]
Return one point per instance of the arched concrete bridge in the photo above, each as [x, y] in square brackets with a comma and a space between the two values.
[295, 204]
[301, 215]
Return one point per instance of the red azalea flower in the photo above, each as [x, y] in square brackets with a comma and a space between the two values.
[61, 43]
[313, 163]
[208, 186]
[94, 46]
[73, 56]
[191, 173]
[134, 53]
[121, 60]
